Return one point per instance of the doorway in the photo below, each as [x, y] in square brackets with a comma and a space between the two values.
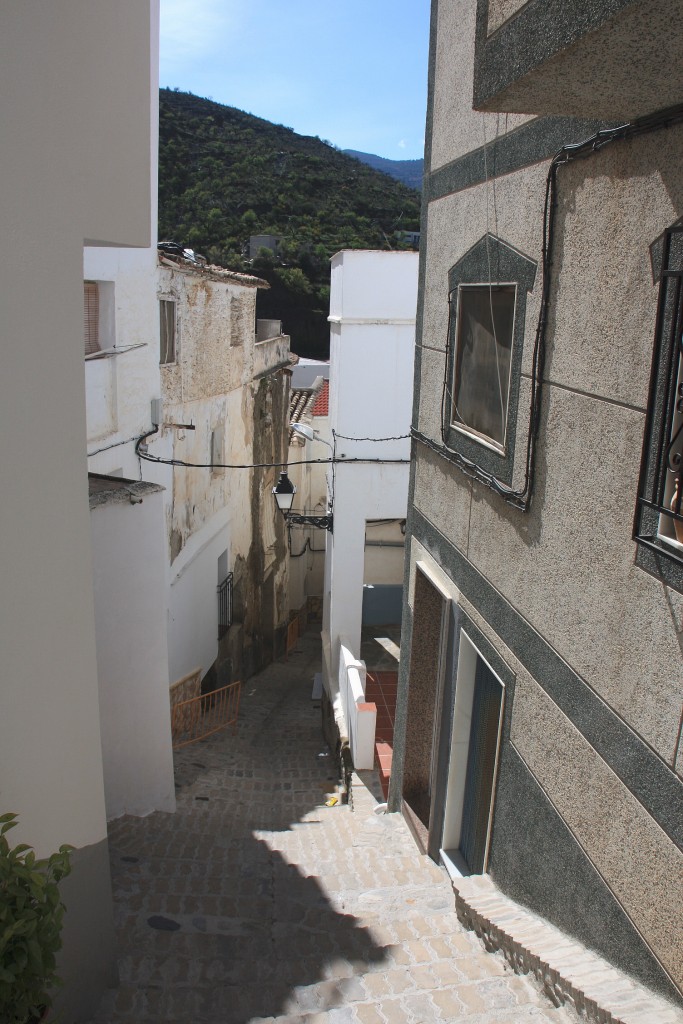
[425, 690]
[475, 744]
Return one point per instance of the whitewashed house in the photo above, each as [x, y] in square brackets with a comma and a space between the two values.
[171, 352]
[372, 317]
[309, 409]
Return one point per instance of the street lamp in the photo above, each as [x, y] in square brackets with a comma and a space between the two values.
[309, 434]
[284, 492]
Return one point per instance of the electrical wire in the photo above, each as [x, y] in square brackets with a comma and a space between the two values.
[345, 437]
[148, 457]
[116, 444]
[521, 497]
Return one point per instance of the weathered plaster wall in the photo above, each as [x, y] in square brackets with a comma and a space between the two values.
[216, 323]
[214, 385]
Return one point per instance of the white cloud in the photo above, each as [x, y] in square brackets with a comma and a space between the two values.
[403, 143]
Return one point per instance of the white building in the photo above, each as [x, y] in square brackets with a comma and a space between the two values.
[372, 316]
[79, 168]
[177, 350]
[309, 407]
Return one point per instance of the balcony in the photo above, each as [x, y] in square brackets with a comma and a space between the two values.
[612, 59]
[271, 349]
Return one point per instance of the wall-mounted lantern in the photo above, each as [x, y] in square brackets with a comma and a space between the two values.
[284, 492]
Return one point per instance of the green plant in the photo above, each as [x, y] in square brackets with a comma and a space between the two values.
[31, 915]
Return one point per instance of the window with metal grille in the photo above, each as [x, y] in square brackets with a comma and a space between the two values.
[91, 317]
[224, 605]
[167, 331]
[658, 526]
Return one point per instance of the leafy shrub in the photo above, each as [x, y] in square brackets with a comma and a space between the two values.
[31, 915]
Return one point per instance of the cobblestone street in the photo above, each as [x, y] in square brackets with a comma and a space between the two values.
[257, 902]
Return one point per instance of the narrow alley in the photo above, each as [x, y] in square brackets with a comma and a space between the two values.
[258, 902]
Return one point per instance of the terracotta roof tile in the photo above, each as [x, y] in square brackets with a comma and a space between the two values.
[321, 406]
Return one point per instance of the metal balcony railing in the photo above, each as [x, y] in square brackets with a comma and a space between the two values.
[194, 719]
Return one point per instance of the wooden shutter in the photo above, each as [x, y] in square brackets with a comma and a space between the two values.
[91, 317]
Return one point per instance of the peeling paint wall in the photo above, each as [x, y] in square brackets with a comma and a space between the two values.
[239, 421]
[237, 402]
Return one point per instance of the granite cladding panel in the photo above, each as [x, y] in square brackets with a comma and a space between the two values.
[457, 128]
[641, 770]
[579, 56]
[567, 566]
[422, 696]
[536, 860]
[633, 855]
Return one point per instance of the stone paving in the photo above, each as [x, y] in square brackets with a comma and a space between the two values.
[256, 902]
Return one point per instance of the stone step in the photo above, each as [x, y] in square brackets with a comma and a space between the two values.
[569, 972]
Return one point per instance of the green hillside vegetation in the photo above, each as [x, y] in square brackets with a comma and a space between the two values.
[408, 171]
[225, 175]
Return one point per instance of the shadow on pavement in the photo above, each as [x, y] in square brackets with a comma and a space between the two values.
[232, 908]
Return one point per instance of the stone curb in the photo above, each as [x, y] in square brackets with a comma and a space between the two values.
[569, 972]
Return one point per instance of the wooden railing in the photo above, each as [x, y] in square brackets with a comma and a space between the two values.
[193, 719]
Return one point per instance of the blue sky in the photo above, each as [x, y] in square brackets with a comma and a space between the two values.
[353, 72]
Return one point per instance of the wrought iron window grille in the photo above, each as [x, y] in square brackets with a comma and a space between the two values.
[225, 605]
[658, 523]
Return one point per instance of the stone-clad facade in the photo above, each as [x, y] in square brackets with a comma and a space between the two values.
[539, 636]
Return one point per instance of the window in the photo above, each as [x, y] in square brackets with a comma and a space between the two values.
[167, 331]
[224, 605]
[658, 526]
[91, 317]
[483, 349]
[487, 310]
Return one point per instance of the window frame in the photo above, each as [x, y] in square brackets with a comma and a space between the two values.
[490, 261]
[657, 554]
[461, 426]
[168, 300]
[91, 318]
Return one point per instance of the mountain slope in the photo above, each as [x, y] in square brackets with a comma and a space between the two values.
[407, 171]
[225, 175]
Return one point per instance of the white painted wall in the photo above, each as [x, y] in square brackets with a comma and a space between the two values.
[129, 576]
[60, 70]
[119, 389]
[78, 85]
[312, 481]
[192, 596]
[372, 316]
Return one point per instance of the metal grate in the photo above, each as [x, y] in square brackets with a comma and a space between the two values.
[224, 605]
[659, 514]
[193, 719]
